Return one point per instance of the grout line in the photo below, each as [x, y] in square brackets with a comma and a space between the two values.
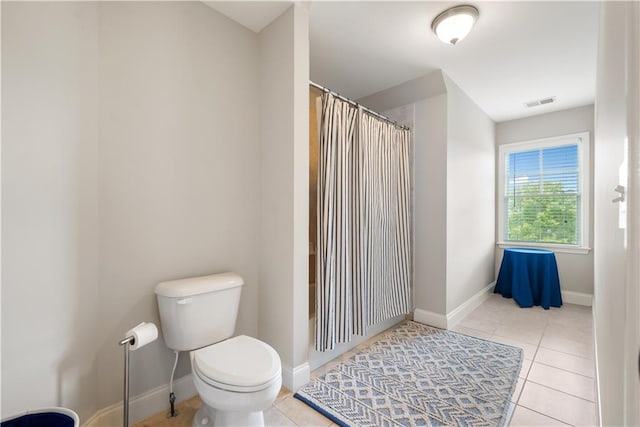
[528, 370]
[560, 391]
[534, 356]
[517, 340]
[524, 381]
[563, 369]
[564, 352]
[577, 341]
[570, 354]
[285, 415]
[542, 413]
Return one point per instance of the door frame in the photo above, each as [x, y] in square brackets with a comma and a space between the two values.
[632, 324]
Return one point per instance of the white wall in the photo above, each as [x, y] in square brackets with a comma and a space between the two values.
[130, 142]
[470, 197]
[427, 120]
[609, 239]
[430, 205]
[300, 182]
[575, 270]
[49, 182]
[178, 169]
[284, 183]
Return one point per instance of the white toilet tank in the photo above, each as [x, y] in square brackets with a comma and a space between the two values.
[198, 311]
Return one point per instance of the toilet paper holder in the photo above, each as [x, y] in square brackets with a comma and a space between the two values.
[137, 337]
[126, 343]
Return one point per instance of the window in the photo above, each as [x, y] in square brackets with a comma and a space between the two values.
[544, 197]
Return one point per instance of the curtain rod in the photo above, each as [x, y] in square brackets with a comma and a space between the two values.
[355, 104]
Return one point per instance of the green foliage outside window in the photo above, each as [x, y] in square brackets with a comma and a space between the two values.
[542, 214]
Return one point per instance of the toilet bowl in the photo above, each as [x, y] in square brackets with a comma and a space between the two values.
[236, 379]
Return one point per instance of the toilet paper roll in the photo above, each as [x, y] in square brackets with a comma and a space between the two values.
[143, 334]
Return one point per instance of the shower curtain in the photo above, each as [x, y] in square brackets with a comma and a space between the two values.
[364, 247]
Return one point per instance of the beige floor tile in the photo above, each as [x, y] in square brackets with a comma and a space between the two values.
[471, 332]
[532, 323]
[572, 310]
[302, 414]
[573, 323]
[556, 404]
[524, 370]
[490, 307]
[527, 335]
[581, 335]
[573, 316]
[496, 309]
[568, 362]
[530, 312]
[529, 349]
[563, 345]
[516, 393]
[526, 417]
[283, 393]
[509, 305]
[186, 411]
[273, 417]
[480, 324]
[561, 380]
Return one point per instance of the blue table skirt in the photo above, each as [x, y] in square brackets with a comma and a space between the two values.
[530, 277]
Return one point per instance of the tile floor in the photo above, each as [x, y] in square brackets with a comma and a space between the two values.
[555, 386]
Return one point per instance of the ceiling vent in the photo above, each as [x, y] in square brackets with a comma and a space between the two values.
[542, 101]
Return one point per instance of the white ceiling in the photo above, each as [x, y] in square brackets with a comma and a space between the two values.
[517, 52]
[255, 15]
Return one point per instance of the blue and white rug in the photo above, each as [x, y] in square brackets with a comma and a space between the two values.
[416, 375]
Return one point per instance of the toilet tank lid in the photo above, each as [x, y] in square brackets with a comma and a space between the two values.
[198, 285]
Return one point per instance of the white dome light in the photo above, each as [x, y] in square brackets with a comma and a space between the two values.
[454, 24]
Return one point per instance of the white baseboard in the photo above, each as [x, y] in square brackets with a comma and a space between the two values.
[579, 298]
[295, 378]
[157, 399]
[144, 405]
[458, 313]
[430, 318]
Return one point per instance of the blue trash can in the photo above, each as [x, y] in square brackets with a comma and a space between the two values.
[45, 417]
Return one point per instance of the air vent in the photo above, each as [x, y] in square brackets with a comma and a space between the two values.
[542, 101]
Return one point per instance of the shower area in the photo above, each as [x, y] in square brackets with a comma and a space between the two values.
[315, 96]
[360, 253]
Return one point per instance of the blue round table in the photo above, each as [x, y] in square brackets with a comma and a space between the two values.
[530, 277]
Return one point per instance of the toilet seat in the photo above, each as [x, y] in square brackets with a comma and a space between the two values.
[240, 364]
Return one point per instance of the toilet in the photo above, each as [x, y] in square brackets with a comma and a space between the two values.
[237, 378]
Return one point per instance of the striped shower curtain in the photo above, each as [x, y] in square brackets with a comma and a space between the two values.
[364, 243]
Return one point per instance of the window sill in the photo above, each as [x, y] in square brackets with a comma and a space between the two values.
[566, 249]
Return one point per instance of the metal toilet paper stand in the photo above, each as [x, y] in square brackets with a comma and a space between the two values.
[137, 337]
[126, 343]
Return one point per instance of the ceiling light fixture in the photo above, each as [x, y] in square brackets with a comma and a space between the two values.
[454, 24]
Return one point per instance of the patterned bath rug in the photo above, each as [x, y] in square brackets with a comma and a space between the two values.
[416, 375]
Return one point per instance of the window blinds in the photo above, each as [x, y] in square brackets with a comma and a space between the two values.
[542, 195]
